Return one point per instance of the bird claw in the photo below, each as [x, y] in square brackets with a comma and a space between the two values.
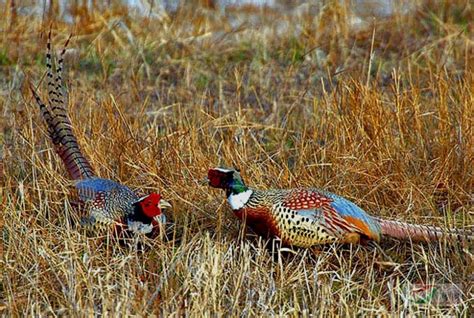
[87, 221]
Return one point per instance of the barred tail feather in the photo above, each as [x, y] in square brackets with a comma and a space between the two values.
[420, 233]
[56, 94]
[57, 120]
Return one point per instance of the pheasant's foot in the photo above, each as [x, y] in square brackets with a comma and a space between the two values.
[316, 250]
[88, 221]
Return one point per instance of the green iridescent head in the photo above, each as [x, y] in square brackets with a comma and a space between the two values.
[226, 178]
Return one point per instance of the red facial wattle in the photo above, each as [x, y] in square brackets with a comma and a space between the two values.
[150, 205]
[216, 178]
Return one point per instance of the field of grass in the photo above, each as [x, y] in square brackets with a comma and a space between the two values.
[382, 113]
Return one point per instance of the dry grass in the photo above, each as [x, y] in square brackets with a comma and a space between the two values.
[157, 101]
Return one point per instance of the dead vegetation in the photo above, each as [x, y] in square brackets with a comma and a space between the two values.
[381, 113]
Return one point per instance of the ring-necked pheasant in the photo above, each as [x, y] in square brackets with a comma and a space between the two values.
[108, 202]
[307, 217]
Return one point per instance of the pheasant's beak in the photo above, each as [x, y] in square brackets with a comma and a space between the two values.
[164, 205]
[204, 181]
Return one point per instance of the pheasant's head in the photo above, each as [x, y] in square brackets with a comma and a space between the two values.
[152, 205]
[227, 179]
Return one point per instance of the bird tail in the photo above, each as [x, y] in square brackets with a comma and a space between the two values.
[421, 233]
[57, 120]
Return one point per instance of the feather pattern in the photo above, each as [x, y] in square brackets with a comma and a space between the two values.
[421, 233]
[306, 217]
[338, 215]
[106, 199]
[58, 122]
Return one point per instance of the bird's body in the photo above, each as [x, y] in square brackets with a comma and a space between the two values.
[308, 217]
[305, 217]
[111, 203]
[108, 202]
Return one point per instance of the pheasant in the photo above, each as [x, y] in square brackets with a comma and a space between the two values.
[108, 202]
[308, 217]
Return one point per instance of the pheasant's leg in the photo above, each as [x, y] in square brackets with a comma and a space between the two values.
[316, 250]
[351, 238]
[387, 257]
[88, 221]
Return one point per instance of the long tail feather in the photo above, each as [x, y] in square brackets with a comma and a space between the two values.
[421, 233]
[57, 120]
[56, 93]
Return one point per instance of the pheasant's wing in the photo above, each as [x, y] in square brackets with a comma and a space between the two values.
[337, 215]
[106, 199]
[95, 189]
[353, 214]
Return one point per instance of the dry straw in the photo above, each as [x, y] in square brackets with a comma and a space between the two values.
[289, 99]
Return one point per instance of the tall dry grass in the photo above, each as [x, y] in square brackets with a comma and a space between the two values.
[382, 114]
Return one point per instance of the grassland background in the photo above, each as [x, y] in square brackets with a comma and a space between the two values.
[292, 99]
